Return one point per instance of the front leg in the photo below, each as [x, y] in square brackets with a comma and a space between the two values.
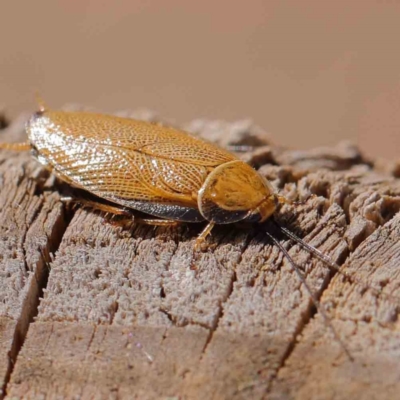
[199, 244]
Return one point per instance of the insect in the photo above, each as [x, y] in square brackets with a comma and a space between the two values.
[161, 171]
[158, 170]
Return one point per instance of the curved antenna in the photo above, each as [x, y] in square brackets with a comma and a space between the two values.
[320, 307]
[332, 265]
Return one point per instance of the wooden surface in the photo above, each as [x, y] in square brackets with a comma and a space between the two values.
[91, 308]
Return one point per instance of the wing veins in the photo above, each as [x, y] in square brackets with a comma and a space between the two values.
[139, 150]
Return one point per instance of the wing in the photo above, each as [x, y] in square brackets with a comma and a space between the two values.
[123, 160]
[130, 134]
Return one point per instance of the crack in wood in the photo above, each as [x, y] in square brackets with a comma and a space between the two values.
[311, 313]
[29, 308]
[114, 310]
[312, 310]
[220, 313]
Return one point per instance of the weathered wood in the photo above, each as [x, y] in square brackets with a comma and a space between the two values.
[368, 323]
[127, 313]
[30, 227]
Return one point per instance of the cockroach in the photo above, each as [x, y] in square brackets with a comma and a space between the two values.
[160, 171]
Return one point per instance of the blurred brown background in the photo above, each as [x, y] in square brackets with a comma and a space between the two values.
[310, 72]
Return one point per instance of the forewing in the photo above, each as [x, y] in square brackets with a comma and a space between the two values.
[149, 138]
[121, 159]
[119, 175]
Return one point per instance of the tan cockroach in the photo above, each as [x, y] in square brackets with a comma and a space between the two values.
[158, 170]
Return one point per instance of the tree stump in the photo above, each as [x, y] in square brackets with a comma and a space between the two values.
[92, 308]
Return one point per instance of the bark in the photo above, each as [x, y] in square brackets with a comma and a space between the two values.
[93, 308]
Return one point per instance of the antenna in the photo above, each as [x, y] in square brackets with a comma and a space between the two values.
[316, 302]
[331, 264]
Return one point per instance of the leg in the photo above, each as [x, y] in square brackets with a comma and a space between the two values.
[108, 208]
[202, 237]
[283, 200]
[199, 244]
[156, 222]
[16, 146]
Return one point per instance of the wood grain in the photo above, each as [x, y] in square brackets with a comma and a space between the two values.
[31, 223]
[128, 313]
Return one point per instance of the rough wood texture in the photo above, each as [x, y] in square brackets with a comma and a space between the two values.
[126, 314]
[30, 226]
